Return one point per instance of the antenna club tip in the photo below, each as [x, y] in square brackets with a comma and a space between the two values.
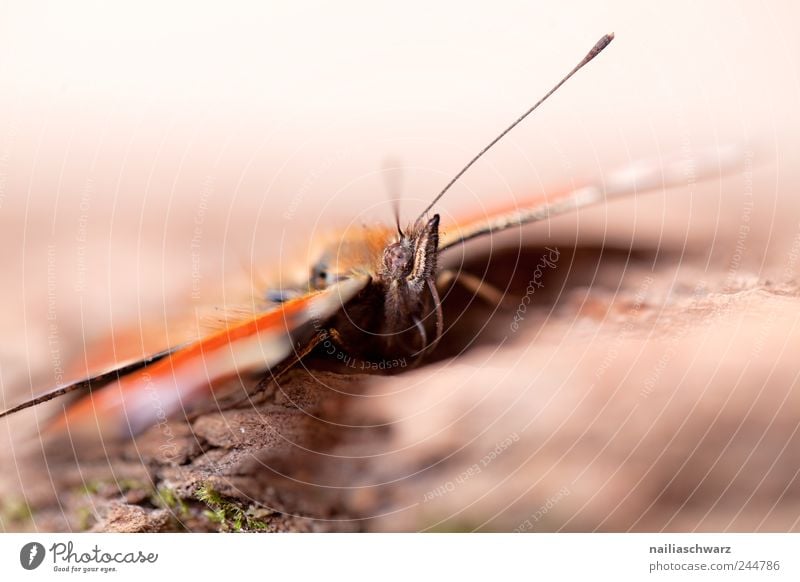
[604, 42]
[597, 48]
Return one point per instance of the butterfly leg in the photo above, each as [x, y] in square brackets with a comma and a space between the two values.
[437, 304]
[475, 285]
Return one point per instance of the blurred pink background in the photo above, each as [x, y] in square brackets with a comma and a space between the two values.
[271, 122]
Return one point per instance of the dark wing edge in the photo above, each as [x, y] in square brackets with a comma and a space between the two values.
[91, 383]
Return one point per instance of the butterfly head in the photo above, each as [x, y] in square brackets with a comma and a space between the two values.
[401, 269]
[398, 259]
[407, 283]
[412, 258]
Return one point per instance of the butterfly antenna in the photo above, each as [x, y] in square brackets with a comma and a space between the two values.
[396, 212]
[393, 181]
[596, 50]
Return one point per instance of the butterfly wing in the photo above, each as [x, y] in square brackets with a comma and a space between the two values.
[148, 392]
[637, 178]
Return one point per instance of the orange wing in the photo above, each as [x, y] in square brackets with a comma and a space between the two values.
[637, 178]
[147, 392]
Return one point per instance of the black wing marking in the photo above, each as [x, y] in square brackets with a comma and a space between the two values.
[91, 383]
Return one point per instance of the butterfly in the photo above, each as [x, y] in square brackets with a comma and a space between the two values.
[373, 295]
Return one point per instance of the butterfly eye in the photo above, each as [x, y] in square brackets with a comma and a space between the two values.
[398, 260]
[320, 277]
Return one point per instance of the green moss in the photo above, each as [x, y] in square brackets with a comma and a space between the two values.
[84, 518]
[168, 498]
[90, 488]
[109, 488]
[15, 511]
[125, 485]
[227, 513]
